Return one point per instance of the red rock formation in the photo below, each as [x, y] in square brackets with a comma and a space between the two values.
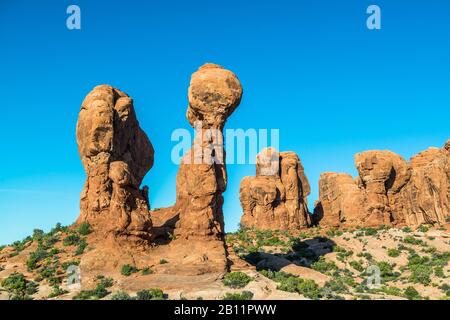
[116, 155]
[388, 191]
[276, 198]
[214, 93]
[197, 216]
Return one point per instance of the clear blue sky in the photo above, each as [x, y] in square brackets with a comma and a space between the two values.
[309, 68]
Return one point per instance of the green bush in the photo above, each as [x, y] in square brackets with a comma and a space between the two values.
[236, 279]
[421, 274]
[121, 295]
[387, 271]
[71, 240]
[423, 228]
[290, 283]
[412, 294]
[82, 245]
[356, 265]
[439, 272]
[244, 295]
[57, 291]
[323, 266]
[150, 294]
[163, 261]
[19, 287]
[36, 257]
[335, 286]
[127, 270]
[84, 229]
[412, 240]
[147, 271]
[99, 292]
[393, 253]
[38, 234]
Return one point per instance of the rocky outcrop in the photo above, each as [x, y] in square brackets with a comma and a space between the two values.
[116, 154]
[275, 199]
[388, 191]
[214, 93]
[196, 219]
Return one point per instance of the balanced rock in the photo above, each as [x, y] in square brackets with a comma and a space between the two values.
[214, 93]
[116, 154]
[275, 199]
[196, 220]
[388, 191]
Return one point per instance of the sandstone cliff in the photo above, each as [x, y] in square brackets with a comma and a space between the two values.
[388, 191]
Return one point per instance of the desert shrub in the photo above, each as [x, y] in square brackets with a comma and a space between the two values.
[71, 240]
[391, 291]
[121, 295]
[19, 287]
[421, 274]
[407, 229]
[244, 295]
[412, 240]
[342, 254]
[323, 266]
[334, 233]
[147, 271]
[439, 272]
[272, 241]
[163, 261]
[236, 279]
[127, 270]
[38, 234]
[290, 283]
[99, 292]
[57, 291]
[150, 294]
[412, 294]
[440, 259]
[36, 257]
[356, 265]
[423, 228]
[47, 272]
[335, 286]
[19, 246]
[387, 271]
[84, 229]
[82, 245]
[50, 240]
[393, 252]
[369, 231]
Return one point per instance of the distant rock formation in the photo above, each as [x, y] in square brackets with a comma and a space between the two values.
[116, 155]
[275, 199]
[388, 191]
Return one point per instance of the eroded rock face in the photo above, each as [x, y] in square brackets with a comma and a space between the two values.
[116, 155]
[388, 191]
[275, 199]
